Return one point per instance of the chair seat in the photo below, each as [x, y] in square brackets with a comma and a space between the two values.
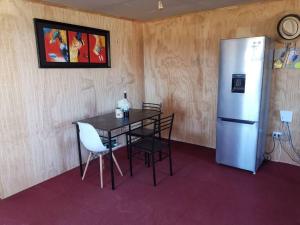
[142, 132]
[115, 146]
[145, 144]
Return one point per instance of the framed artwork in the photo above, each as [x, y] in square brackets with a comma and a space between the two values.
[61, 45]
[287, 58]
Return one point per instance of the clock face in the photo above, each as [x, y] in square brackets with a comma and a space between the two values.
[289, 27]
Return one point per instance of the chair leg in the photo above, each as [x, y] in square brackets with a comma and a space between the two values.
[170, 161]
[117, 165]
[159, 135]
[101, 171]
[86, 166]
[153, 168]
[127, 145]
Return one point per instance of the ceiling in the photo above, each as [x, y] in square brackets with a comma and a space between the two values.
[144, 10]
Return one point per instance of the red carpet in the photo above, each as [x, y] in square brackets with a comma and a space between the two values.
[200, 192]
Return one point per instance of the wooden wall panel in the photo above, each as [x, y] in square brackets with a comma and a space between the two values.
[38, 105]
[181, 67]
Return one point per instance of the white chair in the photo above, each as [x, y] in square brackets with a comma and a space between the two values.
[90, 139]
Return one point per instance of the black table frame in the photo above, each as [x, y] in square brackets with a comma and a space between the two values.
[109, 123]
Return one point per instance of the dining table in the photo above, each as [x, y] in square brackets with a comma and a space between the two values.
[113, 127]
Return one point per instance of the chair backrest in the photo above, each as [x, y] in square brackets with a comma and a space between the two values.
[165, 124]
[152, 106]
[89, 137]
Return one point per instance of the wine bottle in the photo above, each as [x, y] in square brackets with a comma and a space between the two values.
[126, 109]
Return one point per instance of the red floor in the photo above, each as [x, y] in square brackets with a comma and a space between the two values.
[200, 192]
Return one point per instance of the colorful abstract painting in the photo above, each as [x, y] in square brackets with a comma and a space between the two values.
[56, 49]
[78, 46]
[97, 48]
[62, 45]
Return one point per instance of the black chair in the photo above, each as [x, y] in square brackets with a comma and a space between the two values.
[152, 106]
[144, 128]
[153, 143]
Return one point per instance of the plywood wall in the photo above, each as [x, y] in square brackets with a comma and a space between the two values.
[181, 67]
[38, 106]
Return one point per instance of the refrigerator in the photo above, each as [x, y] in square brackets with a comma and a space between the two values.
[245, 70]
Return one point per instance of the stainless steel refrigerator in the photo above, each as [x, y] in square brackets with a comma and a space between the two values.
[245, 70]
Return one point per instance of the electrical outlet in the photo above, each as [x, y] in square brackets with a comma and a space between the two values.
[276, 134]
[286, 116]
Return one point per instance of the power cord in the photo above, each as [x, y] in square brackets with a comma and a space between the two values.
[291, 140]
[292, 152]
[268, 155]
[297, 160]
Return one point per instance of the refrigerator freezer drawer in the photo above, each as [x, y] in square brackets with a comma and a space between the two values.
[237, 144]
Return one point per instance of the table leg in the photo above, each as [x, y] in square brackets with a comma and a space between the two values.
[111, 162]
[79, 151]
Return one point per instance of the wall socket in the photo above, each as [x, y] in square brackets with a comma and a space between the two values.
[276, 134]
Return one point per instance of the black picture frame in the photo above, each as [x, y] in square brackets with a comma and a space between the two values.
[62, 53]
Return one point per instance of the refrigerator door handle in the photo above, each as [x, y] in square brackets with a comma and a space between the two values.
[237, 121]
